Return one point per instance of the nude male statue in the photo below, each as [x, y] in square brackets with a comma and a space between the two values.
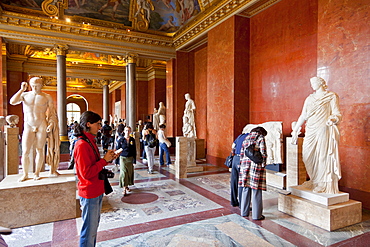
[35, 106]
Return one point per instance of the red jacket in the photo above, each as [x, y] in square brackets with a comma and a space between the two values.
[87, 168]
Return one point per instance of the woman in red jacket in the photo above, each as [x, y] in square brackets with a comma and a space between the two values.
[88, 165]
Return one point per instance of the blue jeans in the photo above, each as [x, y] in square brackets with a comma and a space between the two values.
[90, 217]
[163, 148]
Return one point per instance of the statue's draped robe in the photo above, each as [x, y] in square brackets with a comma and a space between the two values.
[320, 145]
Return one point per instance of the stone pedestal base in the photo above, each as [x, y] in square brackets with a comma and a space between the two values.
[185, 157]
[321, 198]
[276, 179]
[327, 217]
[36, 202]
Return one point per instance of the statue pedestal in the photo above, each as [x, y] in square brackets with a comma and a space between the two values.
[11, 151]
[329, 218]
[185, 157]
[36, 202]
[201, 151]
[321, 198]
[295, 169]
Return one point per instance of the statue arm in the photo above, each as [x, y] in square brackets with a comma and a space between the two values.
[17, 98]
[299, 123]
[335, 116]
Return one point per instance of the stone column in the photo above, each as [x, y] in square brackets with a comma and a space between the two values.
[106, 100]
[61, 51]
[11, 150]
[131, 91]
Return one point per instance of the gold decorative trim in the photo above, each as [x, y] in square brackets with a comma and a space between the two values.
[62, 27]
[208, 19]
[139, 18]
[61, 49]
[107, 48]
[131, 58]
[54, 8]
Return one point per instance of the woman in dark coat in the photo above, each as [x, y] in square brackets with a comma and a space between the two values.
[252, 177]
[127, 159]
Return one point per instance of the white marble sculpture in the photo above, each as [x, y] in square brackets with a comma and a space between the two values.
[159, 116]
[53, 143]
[36, 105]
[320, 144]
[12, 120]
[273, 140]
[189, 118]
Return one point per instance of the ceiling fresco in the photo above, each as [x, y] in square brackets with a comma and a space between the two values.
[166, 16]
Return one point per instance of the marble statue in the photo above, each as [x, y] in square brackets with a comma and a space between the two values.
[320, 144]
[159, 116]
[273, 140]
[187, 128]
[12, 120]
[189, 113]
[36, 105]
[155, 119]
[53, 143]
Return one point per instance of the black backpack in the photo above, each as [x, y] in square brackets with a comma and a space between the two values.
[151, 140]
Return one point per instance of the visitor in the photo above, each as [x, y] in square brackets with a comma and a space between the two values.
[88, 165]
[164, 144]
[127, 159]
[252, 177]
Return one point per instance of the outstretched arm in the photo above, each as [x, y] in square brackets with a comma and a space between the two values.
[17, 97]
[298, 125]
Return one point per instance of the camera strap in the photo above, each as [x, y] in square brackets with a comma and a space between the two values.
[83, 137]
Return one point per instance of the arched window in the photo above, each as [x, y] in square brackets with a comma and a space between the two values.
[73, 112]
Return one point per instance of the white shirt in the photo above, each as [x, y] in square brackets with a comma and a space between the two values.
[161, 136]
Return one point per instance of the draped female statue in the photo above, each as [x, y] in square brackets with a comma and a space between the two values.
[320, 145]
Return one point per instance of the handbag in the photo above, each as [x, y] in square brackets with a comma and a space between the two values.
[253, 155]
[229, 161]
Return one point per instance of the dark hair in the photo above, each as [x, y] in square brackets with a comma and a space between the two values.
[120, 128]
[149, 126]
[162, 126]
[86, 117]
[106, 122]
[260, 130]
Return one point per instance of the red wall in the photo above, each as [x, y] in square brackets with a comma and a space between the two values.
[343, 54]
[227, 86]
[200, 91]
[283, 59]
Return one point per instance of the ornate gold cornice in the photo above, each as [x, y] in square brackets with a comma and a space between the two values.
[131, 58]
[54, 8]
[147, 45]
[61, 49]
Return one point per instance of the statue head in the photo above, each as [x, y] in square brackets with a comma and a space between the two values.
[187, 96]
[36, 84]
[320, 81]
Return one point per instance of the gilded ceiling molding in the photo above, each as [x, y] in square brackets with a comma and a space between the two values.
[62, 29]
[61, 49]
[208, 19]
[54, 8]
[140, 14]
[105, 82]
[131, 58]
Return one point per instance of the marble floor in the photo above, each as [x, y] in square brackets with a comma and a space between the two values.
[161, 210]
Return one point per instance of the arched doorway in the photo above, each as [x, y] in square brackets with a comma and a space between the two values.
[76, 104]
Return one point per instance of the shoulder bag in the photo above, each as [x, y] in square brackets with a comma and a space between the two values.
[253, 154]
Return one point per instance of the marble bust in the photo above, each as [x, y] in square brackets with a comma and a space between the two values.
[36, 105]
[12, 120]
[320, 145]
[188, 118]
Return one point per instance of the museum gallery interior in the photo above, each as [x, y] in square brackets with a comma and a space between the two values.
[243, 63]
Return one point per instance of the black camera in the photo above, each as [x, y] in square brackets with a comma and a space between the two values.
[105, 173]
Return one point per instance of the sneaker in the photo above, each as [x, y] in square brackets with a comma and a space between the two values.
[150, 172]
